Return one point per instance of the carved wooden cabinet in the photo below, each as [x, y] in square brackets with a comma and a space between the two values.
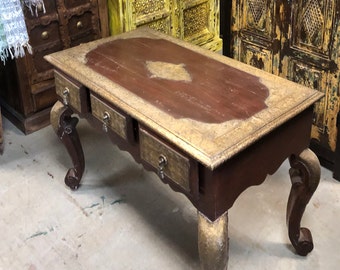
[196, 21]
[27, 84]
[298, 40]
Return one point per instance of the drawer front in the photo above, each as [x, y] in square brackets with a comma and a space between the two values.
[154, 151]
[110, 118]
[72, 93]
[83, 28]
[44, 34]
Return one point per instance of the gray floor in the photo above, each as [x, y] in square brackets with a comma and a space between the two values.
[122, 217]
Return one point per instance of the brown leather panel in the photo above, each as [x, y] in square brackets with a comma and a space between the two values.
[210, 91]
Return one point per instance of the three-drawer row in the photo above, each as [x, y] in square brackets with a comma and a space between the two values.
[163, 158]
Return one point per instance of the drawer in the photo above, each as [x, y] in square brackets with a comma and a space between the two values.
[39, 65]
[44, 34]
[83, 28]
[71, 92]
[155, 152]
[110, 117]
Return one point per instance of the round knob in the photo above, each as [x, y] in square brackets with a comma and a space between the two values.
[45, 35]
[79, 25]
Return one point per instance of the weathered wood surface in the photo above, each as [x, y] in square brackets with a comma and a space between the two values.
[209, 145]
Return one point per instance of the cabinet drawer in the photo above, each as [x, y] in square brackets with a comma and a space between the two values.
[154, 152]
[71, 92]
[110, 117]
[44, 34]
[83, 28]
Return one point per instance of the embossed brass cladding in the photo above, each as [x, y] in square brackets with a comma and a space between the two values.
[71, 92]
[167, 161]
[110, 118]
[213, 244]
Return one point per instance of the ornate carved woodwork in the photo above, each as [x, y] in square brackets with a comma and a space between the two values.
[298, 40]
[143, 108]
[196, 21]
[27, 84]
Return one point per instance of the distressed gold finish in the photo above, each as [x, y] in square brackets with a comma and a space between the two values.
[168, 71]
[300, 42]
[196, 21]
[213, 241]
[165, 159]
[70, 92]
[109, 117]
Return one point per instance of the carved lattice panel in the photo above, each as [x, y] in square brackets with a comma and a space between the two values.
[257, 17]
[196, 21]
[199, 22]
[311, 25]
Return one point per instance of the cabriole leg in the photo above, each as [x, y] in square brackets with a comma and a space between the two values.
[213, 242]
[64, 126]
[305, 177]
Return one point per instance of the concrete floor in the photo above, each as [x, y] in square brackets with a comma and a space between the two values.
[123, 217]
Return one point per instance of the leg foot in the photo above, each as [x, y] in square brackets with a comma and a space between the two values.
[213, 242]
[305, 177]
[65, 127]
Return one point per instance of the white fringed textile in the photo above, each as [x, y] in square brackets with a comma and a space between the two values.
[13, 33]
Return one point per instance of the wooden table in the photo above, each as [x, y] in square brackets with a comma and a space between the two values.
[208, 125]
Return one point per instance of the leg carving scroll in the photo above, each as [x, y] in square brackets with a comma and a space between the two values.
[305, 177]
[213, 242]
[65, 127]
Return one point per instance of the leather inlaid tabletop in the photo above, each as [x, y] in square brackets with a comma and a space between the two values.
[179, 81]
[206, 104]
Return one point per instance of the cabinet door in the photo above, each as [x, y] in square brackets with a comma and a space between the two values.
[198, 23]
[255, 35]
[128, 15]
[310, 48]
[297, 40]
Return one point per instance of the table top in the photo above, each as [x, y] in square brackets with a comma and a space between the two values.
[208, 105]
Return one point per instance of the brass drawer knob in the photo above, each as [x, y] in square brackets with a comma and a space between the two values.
[162, 162]
[79, 25]
[106, 121]
[66, 96]
[45, 35]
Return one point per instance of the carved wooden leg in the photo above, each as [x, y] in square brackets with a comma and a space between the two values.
[64, 126]
[213, 242]
[305, 177]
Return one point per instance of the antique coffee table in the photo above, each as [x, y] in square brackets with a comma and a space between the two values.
[208, 125]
